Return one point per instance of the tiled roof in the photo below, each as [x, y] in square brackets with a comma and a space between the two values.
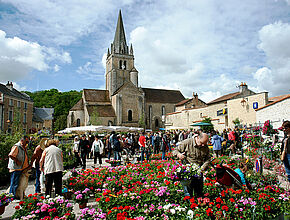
[183, 102]
[78, 106]
[95, 95]
[103, 110]
[272, 103]
[162, 95]
[44, 113]
[276, 98]
[224, 98]
[14, 93]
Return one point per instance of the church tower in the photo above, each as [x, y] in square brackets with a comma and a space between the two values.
[120, 61]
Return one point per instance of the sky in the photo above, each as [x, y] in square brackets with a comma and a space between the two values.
[204, 46]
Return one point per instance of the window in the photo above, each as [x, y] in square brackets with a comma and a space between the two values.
[11, 102]
[130, 115]
[156, 123]
[120, 64]
[124, 65]
[18, 104]
[201, 115]
[110, 123]
[25, 105]
[10, 115]
[24, 118]
[78, 122]
[163, 110]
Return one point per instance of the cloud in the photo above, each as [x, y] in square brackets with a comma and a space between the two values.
[275, 43]
[19, 57]
[56, 68]
[89, 71]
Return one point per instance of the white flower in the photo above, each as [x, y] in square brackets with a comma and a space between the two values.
[172, 211]
[190, 213]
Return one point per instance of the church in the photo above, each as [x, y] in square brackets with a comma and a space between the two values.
[123, 103]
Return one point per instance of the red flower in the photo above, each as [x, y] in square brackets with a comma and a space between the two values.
[21, 202]
[186, 198]
[225, 208]
[107, 199]
[232, 200]
[98, 199]
[218, 199]
[209, 212]
[17, 207]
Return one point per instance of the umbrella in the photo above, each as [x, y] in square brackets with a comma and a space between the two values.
[201, 124]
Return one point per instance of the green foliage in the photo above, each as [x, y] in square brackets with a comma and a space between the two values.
[17, 126]
[207, 128]
[94, 117]
[6, 142]
[237, 121]
[62, 102]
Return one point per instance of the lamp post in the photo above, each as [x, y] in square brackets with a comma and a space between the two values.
[8, 123]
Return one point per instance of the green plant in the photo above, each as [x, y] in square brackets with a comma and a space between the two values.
[207, 128]
[237, 121]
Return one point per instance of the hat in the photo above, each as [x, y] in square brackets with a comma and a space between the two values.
[42, 143]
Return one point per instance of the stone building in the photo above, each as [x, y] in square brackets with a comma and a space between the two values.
[15, 107]
[43, 119]
[123, 102]
[222, 111]
[277, 111]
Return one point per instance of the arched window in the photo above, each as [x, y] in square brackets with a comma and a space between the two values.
[78, 122]
[125, 64]
[156, 123]
[130, 115]
[163, 110]
[110, 123]
[120, 64]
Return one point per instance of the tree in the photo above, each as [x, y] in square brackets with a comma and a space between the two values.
[142, 121]
[207, 128]
[94, 117]
[17, 126]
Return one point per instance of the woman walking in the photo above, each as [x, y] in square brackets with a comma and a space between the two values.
[97, 150]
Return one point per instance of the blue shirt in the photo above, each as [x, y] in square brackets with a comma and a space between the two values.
[241, 174]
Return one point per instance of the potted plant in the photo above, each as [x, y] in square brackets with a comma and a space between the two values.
[81, 197]
[185, 173]
[5, 199]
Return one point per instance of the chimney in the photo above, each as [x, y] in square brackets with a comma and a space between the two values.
[195, 96]
[9, 85]
[243, 87]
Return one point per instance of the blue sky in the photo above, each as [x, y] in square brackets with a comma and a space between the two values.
[202, 46]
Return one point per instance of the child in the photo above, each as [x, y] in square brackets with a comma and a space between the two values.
[242, 171]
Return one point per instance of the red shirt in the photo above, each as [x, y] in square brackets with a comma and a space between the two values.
[232, 136]
[142, 140]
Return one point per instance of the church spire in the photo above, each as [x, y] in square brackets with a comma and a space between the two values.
[120, 45]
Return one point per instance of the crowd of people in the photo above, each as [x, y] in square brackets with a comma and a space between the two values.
[191, 146]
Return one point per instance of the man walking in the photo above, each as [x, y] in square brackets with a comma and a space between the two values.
[84, 146]
[194, 150]
[18, 161]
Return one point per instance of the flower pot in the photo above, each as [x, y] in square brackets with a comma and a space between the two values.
[83, 205]
[2, 209]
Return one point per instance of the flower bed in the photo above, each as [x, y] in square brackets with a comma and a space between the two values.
[151, 191]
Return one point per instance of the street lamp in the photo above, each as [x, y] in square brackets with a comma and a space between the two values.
[8, 123]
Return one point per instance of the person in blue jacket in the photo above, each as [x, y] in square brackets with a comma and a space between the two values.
[216, 141]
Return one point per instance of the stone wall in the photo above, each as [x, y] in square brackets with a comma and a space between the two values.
[276, 113]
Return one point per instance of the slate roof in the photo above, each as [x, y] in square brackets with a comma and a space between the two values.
[103, 110]
[162, 95]
[95, 95]
[36, 118]
[14, 93]
[44, 113]
[224, 98]
[78, 106]
[278, 100]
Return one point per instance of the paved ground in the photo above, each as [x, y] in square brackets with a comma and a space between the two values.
[9, 210]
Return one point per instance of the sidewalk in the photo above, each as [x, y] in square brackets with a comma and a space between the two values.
[10, 209]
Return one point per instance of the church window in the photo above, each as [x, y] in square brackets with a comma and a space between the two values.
[78, 122]
[156, 123]
[130, 115]
[120, 64]
[124, 65]
[163, 110]
[110, 123]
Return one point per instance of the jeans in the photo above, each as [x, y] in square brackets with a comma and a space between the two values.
[84, 156]
[57, 179]
[142, 154]
[196, 185]
[109, 154]
[117, 156]
[97, 156]
[14, 181]
[163, 155]
[37, 178]
[287, 165]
